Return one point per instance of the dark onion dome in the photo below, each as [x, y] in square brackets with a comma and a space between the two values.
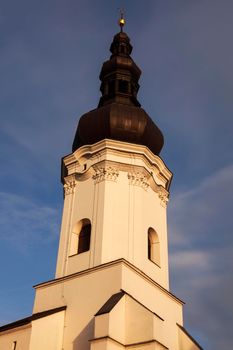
[119, 115]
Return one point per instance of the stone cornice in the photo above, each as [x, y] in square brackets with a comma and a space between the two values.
[109, 170]
[133, 153]
[104, 160]
[122, 262]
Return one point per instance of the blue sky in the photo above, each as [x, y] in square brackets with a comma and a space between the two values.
[51, 56]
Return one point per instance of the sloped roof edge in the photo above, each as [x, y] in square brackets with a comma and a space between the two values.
[27, 320]
[110, 303]
[190, 337]
[115, 298]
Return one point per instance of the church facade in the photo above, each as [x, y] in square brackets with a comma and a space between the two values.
[111, 288]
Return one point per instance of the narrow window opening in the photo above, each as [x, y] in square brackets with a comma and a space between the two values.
[80, 237]
[123, 86]
[84, 239]
[14, 345]
[105, 89]
[153, 247]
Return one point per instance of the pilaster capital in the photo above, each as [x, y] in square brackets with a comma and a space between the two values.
[163, 195]
[138, 179]
[69, 185]
[105, 172]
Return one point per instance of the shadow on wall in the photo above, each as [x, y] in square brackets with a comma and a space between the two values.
[82, 340]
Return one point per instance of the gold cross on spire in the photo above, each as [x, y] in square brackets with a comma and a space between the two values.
[121, 21]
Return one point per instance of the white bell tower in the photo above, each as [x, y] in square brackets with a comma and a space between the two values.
[111, 289]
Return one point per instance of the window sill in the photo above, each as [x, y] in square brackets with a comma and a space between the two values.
[153, 262]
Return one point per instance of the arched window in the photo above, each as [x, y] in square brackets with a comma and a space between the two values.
[84, 238]
[80, 237]
[153, 246]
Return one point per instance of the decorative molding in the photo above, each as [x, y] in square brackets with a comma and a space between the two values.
[126, 152]
[97, 155]
[109, 170]
[138, 179]
[105, 173]
[163, 195]
[70, 183]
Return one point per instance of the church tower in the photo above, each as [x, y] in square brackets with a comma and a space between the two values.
[111, 289]
[116, 186]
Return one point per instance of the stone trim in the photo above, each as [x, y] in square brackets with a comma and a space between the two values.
[106, 265]
[134, 151]
[128, 345]
[109, 170]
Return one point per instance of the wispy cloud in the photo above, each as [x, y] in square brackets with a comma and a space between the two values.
[25, 223]
[201, 245]
[188, 259]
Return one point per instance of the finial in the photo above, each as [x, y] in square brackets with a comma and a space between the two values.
[121, 21]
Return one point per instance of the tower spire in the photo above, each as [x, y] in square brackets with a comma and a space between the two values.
[119, 115]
